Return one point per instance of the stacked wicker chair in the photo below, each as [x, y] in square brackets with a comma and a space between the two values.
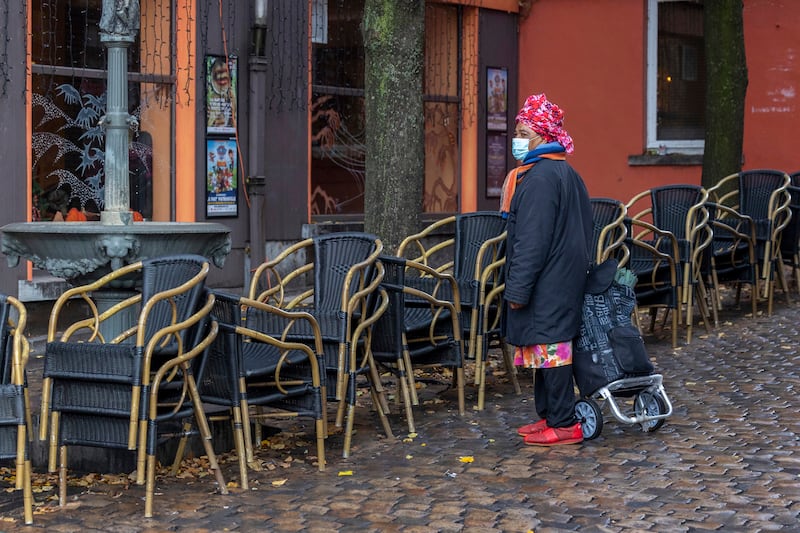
[247, 369]
[418, 329]
[15, 417]
[470, 247]
[755, 203]
[790, 240]
[336, 279]
[680, 211]
[113, 382]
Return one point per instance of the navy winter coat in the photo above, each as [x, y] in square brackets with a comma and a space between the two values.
[548, 255]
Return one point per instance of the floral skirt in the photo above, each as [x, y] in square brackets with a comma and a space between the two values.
[544, 355]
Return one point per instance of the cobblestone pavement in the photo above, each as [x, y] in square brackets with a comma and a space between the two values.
[726, 460]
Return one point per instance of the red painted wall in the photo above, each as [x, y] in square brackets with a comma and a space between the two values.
[772, 117]
[589, 58]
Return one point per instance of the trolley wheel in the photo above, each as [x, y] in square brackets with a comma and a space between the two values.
[650, 404]
[591, 418]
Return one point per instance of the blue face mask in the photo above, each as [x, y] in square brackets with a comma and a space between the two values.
[519, 147]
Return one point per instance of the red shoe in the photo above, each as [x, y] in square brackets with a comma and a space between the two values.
[536, 427]
[556, 436]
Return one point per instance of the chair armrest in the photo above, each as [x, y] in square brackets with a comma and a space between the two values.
[490, 248]
[782, 213]
[655, 249]
[290, 319]
[84, 292]
[442, 279]
[20, 346]
[724, 193]
[363, 327]
[741, 223]
[274, 279]
[414, 246]
[454, 306]
[167, 370]
[356, 283]
[659, 236]
[163, 335]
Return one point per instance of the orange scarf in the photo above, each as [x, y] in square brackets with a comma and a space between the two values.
[513, 178]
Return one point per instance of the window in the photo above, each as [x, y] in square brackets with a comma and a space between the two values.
[676, 76]
[69, 97]
[337, 109]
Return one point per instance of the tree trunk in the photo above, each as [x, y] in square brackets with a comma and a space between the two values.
[726, 87]
[393, 33]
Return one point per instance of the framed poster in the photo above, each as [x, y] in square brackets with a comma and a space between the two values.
[222, 175]
[496, 148]
[221, 85]
[496, 98]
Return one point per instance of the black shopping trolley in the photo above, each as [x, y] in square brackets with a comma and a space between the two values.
[610, 362]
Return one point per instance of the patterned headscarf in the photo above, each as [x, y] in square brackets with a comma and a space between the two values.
[546, 119]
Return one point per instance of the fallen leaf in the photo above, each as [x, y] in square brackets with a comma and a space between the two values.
[345, 473]
[279, 482]
[466, 459]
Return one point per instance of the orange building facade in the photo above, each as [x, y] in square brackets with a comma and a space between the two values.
[591, 58]
[633, 108]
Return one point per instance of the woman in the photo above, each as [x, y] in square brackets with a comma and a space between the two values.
[548, 256]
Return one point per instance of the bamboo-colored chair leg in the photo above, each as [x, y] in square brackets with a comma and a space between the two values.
[28, 417]
[348, 431]
[387, 428]
[319, 427]
[340, 410]
[45, 412]
[27, 492]
[205, 433]
[52, 456]
[179, 453]
[150, 486]
[243, 420]
[409, 396]
[141, 456]
[408, 370]
[375, 381]
[19, 463]
[239, 441]
[689, 317]
[459, 372]
[62, 476]
[480, 370]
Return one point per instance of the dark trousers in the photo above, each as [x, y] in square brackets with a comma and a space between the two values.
[554, 393]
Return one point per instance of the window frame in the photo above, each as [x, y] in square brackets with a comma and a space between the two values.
[653, 142]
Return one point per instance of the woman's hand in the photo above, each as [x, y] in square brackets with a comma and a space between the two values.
[515, 305]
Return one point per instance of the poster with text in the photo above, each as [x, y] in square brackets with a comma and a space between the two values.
[221, 85]
[221, 178]
[496, 149]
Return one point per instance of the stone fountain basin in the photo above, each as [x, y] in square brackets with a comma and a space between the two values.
[81, 252]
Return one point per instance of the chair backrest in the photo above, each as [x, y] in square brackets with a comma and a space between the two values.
[755, 190]
[221, 370]
[673, 205]
[335, 255]
[386, 333]
[13, 412]
[607, 213]
[168, 274]
[6, 342]
[472, 230]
